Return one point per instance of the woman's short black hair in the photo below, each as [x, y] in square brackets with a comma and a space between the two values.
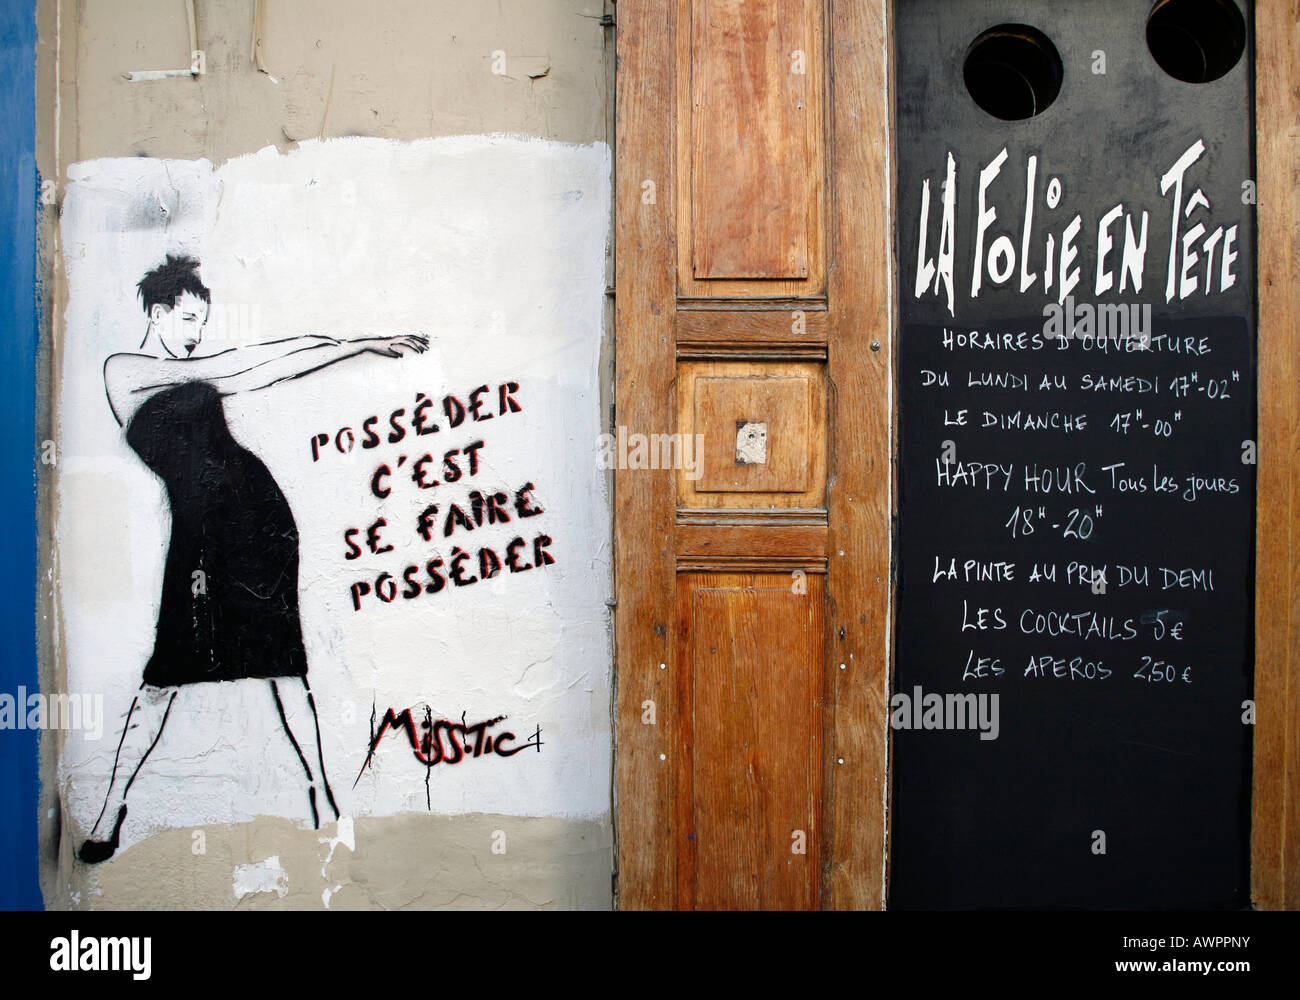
[169, 280]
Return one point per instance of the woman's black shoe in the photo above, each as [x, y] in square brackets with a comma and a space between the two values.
[94, 851]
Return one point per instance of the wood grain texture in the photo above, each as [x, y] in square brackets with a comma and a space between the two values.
[751, 142]
[751, 327]
[860, 287]
[740, 302]
[793, 568]
[643, 499]
[1275, 832]
[750, 161]
[802, 541]
[745, 537]
[774, 414]
[749, 773]
[713, 396]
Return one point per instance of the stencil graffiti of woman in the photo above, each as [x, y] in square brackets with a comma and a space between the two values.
[229, 605]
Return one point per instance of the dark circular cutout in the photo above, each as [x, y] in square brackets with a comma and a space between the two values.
[1196, 40]
[1013, 71]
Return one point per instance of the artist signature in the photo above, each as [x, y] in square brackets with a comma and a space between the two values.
[445, 741]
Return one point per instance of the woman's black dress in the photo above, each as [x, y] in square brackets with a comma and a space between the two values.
[230, 588]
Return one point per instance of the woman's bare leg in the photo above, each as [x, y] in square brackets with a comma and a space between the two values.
[140, 734]
[297, 711]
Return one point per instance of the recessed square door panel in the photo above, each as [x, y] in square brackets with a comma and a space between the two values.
[757, 434]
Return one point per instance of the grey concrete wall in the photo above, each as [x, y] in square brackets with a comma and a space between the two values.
[276, 73]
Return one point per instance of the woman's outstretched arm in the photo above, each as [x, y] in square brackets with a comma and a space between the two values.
[235, 371]
[247, 355]
[233, 361]
[308, 360]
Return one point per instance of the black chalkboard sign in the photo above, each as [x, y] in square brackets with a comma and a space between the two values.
[1076, 373]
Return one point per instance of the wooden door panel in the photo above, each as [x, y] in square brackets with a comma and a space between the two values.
[794, 332]
[751, 161]
[752, 618]
[750, 137]
[749, 770]
[717, 400]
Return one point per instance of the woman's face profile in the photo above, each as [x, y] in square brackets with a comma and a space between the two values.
[180, 329]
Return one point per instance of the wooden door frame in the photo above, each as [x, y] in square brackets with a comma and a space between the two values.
[1275, 827]
[861, 497]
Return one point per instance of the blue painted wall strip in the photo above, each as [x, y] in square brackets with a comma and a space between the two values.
[19, 881]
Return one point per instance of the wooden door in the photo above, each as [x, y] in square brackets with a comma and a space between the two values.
[753, 482]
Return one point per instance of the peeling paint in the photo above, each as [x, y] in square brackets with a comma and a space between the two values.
[346, 837]
[264, 876]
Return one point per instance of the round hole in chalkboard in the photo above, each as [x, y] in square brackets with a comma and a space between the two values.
[1013, 71]
[1196, 40]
